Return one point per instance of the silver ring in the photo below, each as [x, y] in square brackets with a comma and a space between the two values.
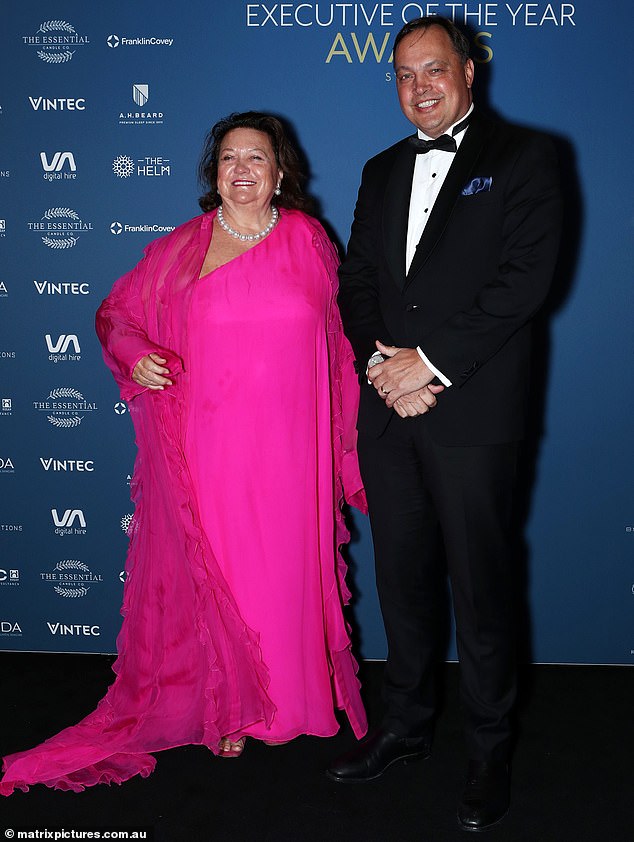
[384, 391]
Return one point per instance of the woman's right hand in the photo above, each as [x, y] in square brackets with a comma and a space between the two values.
[150, 372]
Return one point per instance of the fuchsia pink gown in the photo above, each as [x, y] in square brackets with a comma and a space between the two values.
[233, 621]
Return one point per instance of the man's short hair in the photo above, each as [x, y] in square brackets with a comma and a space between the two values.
[458, 40]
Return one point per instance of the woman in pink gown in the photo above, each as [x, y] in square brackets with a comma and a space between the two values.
[227, 344]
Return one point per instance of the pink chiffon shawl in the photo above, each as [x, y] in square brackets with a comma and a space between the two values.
[189, 670]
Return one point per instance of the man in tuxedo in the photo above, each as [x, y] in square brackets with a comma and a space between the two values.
[452, 251]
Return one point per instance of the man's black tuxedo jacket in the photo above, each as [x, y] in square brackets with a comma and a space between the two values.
[481, 270]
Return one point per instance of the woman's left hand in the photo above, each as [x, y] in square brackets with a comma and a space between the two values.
[150, 372]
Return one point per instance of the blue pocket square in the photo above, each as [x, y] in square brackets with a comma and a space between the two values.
[478, 185]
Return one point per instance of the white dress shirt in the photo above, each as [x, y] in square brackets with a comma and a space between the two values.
[430, 172]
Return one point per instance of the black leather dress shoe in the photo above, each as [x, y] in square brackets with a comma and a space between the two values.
[485, 800]
[374, 755]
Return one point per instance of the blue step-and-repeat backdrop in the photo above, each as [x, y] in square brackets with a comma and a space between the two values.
[103, 111]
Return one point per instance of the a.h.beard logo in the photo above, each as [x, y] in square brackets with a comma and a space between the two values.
[65, 407]
[60, 228]
[54, 40]
[71, 578]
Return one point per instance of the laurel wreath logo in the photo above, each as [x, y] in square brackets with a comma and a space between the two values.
[71, 592]
[65, 392]
[64, 243]
[56, 58]
[67, 241]
[56, 26]
[75, 421]
[72, 564]
[53, 55]
[57, 213]
[78, 590]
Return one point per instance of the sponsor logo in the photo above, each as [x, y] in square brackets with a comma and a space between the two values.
[114, 41]
[3, 228]
[60, 228]
[127, 524]
[56, 41]
[10, 527]
[6, 406]
[117, 228]
[123, 576]
[151, 166]
[120, 408]
[67, 465]
[65, 407]
[64, 523]
[140, 96]
[58, 350]
[69, 517]
[6, 465]
[4, 292]
[71, 578]
[5, 173]
[62, 288]
[7, 355]
[61, 166]
[9, 578]
[77, 630]
[41, 103]
[9, 628]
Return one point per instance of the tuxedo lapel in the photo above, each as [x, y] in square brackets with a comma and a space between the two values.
[396, 212]
[457, 177]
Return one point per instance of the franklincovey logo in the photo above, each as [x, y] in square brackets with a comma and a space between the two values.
[117, 228]
[60, 228]
[65, 407]
[114, 41]
[54, 40]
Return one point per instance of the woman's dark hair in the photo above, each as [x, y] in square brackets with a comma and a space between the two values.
[458, 40]
[286, 159]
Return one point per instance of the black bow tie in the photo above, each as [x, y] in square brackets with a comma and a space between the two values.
[445, 142]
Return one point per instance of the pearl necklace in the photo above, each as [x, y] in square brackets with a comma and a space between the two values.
[275, 215]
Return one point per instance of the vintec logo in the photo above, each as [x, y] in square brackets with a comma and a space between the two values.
[62, 287]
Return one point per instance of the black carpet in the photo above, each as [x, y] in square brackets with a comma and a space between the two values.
[573, 769]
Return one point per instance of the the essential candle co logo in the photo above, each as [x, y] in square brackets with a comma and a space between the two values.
[60, 228]
[54, 40]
